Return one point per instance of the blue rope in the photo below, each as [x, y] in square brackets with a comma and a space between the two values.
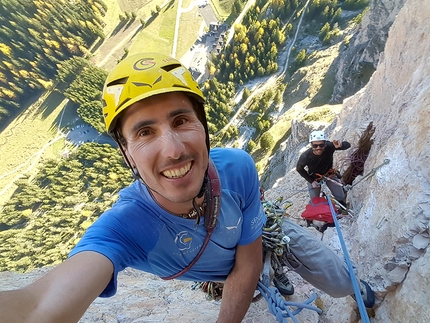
[277, 304]
[359, 299]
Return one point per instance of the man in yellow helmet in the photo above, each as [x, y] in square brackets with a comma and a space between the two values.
[193, 213]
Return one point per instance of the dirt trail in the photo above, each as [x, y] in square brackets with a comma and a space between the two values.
[264, 83]
[114, 44]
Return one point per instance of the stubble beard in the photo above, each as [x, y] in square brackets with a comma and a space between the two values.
[179, 196]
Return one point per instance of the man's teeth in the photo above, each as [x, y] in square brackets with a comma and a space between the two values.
[175, 173]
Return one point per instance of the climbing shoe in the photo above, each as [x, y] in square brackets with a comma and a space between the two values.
[367, 294]
[282, 283]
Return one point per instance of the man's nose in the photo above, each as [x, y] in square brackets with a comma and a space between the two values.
[171, 144]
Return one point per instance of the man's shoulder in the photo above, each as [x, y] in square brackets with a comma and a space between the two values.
[232, 162]
[228, 152]
[130, 191]
[133, 204]
[227, 156]
[134, 195]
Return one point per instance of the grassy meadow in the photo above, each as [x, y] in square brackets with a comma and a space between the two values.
[157, 36]
[30, 137]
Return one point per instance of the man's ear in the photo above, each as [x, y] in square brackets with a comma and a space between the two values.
[122, 145]
[128, 160]
[126, 156]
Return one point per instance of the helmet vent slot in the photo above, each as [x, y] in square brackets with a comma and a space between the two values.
[118, 81]
[170, 67]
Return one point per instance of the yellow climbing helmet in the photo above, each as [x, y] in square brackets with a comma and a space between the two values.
[143, 75]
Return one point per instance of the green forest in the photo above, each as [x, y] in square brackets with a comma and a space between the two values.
[46, 217]
[36, 36]
[45, 45]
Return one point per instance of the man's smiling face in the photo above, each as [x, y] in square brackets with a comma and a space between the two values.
[318, 147]
[166, 142]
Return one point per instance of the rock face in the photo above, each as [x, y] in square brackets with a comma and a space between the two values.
[145, 298]
[358, 62]
[391, 234]
[387, 238]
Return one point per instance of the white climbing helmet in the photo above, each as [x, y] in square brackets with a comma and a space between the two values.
[316, 136]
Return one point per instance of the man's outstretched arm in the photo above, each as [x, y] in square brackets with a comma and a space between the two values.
[62, 295]
[241, 283]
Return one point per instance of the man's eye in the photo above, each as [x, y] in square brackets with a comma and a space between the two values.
[144, 132]
[181, 121]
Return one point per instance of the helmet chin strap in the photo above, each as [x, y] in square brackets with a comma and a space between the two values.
[120, 140]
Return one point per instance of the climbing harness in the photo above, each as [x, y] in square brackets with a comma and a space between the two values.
[329, 175]
[359, 299]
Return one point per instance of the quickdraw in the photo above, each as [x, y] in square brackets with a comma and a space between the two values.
[273, 240]
[273, 237]
[213, 290]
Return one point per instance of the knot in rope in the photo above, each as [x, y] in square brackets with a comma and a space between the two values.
[279, 307]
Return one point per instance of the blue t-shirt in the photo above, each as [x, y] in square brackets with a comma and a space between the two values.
[136, 232]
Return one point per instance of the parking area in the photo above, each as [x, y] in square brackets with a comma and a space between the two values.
[84, 132]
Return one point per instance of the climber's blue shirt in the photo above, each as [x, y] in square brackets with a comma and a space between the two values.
[136, 232]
